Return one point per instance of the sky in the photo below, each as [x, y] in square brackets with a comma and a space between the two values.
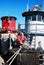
[16, 8]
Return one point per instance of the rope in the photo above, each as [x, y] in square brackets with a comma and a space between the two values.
[15, 54]
[13, 59]
[10, 58]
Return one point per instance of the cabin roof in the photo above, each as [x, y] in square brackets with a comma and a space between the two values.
[6, 17]
[25, 14]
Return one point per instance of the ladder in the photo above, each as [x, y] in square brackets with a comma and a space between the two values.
[31, 40]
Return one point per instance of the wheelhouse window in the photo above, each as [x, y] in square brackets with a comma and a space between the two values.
[39, 17]
[28, 18]
[33, 17]
[36, 18]
[43, 20]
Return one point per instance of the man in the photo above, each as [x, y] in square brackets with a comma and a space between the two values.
[21, 38]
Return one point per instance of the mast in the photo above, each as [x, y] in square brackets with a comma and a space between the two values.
[27, 5]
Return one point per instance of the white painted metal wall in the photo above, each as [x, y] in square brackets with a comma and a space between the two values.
[36, 27]
[6, 36]
[37, 40]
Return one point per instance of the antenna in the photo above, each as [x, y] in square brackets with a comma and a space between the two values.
[43, 5]
[27, 5]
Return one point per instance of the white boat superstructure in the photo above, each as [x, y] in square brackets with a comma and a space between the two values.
[34, 26]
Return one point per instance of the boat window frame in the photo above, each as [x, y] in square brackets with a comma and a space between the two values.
[39, 19]
[28, 18]
[33, 19]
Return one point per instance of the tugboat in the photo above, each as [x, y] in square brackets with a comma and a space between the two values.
[7, 34]
[34, 31]
[34, 26]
